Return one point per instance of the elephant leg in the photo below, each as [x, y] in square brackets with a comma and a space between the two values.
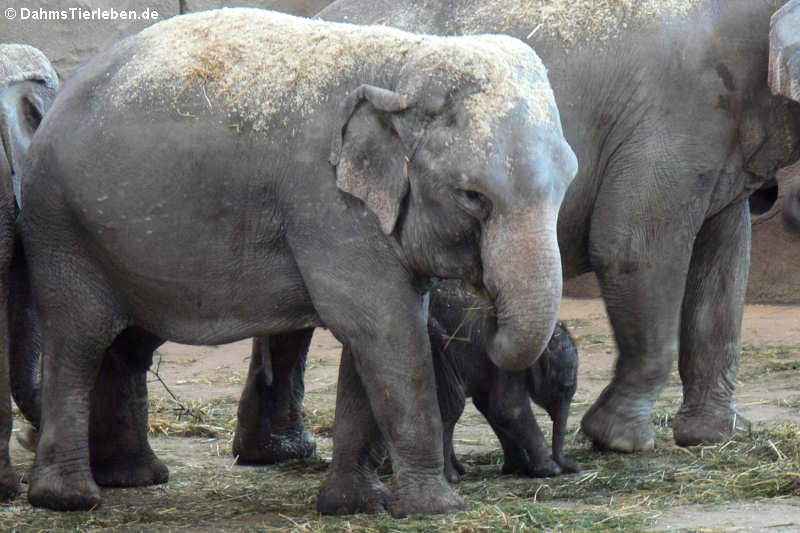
[559, 415]
[8, 479]
[61, 478]
[507, 408]
[451, 397]
[711, 325]
[270, 427]
[79, 321]
[453, 469]
[515, 460]
[352, 485]
[120, 452]
[641, 256]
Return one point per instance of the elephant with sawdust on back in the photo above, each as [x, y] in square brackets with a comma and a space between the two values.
[202, 193]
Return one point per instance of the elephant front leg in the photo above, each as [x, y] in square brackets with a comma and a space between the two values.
[119, 449]
[270, 427]
[398, 377]
[352, 485]
[711, 329]
[642, 273]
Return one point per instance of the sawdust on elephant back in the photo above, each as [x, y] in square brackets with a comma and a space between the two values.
[256, 64]
[574, 21]
[571, 21]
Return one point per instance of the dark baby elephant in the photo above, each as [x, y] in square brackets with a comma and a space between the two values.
[28, 84]
[270, 174]
[670, 113]
[457, 328]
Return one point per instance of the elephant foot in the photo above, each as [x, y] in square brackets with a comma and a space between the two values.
[340, 495]
[130, 472]
[618, 423]
[568, 466]
[429, 495]
[63, 489]
[705, 426]
[258, 449]
[453, 470]
[28, 438]
[545, 468]
[9, 483]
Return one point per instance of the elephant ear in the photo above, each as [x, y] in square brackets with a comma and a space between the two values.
[369, 154]
[28, 84]
[784, 51]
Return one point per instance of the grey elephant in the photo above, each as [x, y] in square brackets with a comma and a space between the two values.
[272, 174]
[457, 329]
[784, 78]
[668, 108]
[28, 84]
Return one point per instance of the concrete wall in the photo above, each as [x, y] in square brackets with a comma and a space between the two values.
[70, 37]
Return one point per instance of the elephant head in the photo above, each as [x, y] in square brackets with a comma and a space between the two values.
[472, 179]
[784, 79]
[28, 85]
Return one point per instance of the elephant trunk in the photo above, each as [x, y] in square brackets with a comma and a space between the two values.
[522, 274]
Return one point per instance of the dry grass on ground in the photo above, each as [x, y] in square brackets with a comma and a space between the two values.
[614, 492]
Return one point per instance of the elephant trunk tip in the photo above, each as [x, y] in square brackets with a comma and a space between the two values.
[514, 352]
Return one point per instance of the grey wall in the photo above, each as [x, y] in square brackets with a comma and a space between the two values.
[70, 42]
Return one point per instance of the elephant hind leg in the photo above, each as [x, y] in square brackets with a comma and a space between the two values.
[352, 485]
[79, 321]
[711, 328]
[120, 453]
[270, 427]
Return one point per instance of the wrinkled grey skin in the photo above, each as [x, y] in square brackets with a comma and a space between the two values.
[674, 126]
[28, 84]
[784, 78]
[331, 258]
[456, 326]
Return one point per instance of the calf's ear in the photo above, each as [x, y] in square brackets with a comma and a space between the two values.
[368, 153]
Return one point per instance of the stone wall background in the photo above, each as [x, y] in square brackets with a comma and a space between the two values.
[775, 266]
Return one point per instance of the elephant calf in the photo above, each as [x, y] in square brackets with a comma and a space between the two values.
[457, 329]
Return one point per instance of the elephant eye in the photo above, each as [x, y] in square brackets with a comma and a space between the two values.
[474, 203]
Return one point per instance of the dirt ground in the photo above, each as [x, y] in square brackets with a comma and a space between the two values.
[771, 336]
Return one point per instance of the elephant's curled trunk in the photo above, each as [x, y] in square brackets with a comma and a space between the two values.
[522, 273]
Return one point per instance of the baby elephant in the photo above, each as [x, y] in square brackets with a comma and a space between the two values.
[458, 329]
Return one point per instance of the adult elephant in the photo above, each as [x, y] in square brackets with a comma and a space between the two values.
[272, 174]
[28, 85]
[784, 78]
[668, 108]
